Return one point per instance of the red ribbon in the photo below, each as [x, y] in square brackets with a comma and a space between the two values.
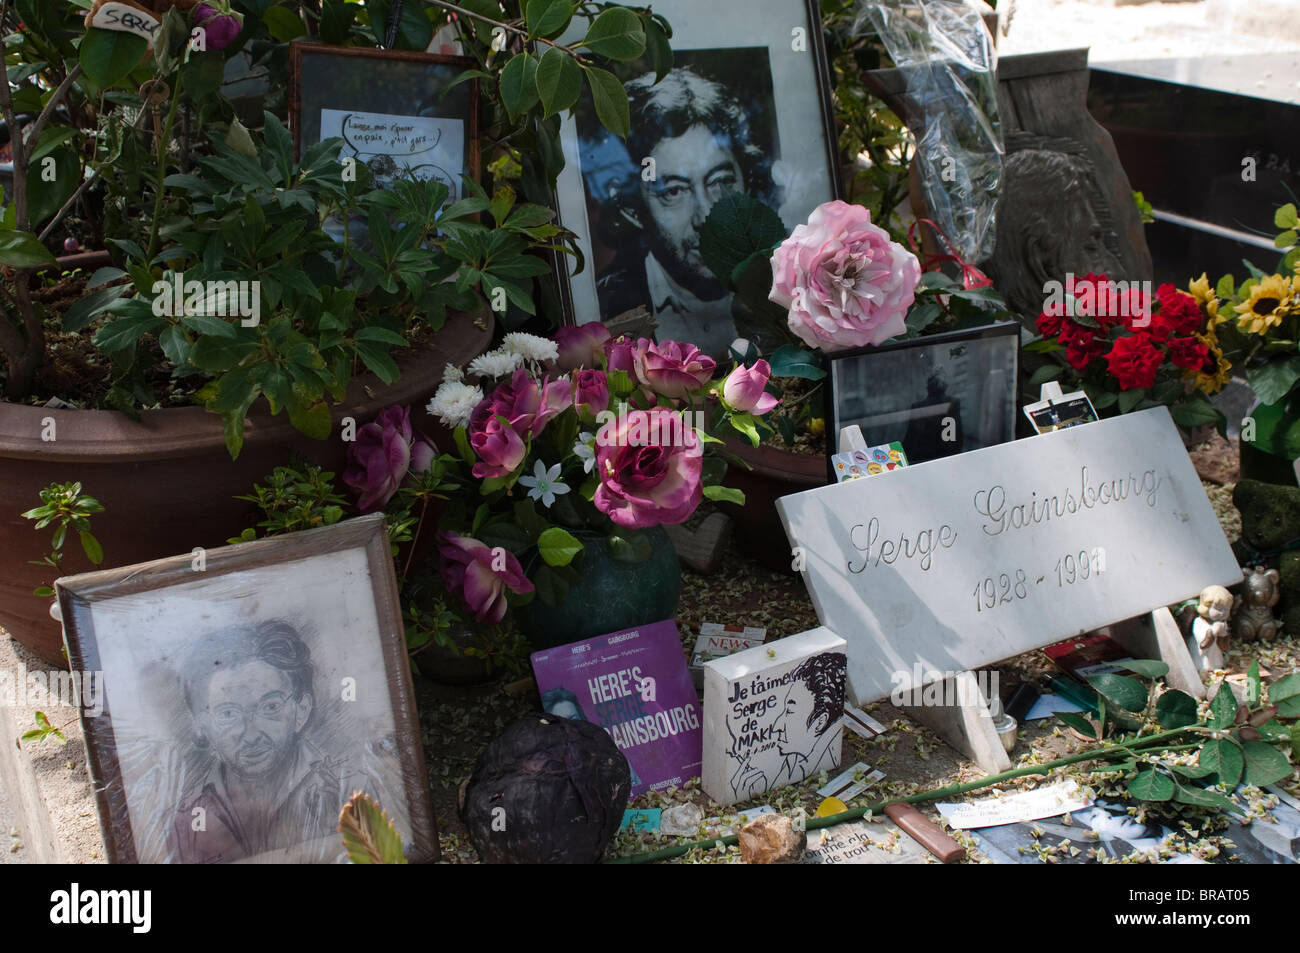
[971, 277]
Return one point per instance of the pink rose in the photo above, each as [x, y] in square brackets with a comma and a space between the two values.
[670, 369]
[219, 23]
[468, 568]
[580, 345]
[385, 451]
[498, 447]
[842, 279]
[591, 392]
[620, 354]
[527, 404]
[650, 464]
[743, 391]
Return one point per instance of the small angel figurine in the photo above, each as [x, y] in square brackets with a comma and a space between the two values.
[1209, 639]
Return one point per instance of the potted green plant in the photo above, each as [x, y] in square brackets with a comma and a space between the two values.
[153, 147]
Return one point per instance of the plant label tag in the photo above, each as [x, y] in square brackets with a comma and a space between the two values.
[126, 18]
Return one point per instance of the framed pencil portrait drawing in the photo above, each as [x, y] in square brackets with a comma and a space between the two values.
[746, 107]
[396, 111]
[247, 693]
[938, 395]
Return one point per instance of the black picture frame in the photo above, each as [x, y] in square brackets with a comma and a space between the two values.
[365, 80]
[884, 419]
[154, 751]
[810, 174]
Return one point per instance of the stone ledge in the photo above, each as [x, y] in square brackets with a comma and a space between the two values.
[48, 783]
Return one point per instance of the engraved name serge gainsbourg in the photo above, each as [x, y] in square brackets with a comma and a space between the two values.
[998, 517]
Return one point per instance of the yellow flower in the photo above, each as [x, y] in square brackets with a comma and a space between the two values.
[1211, 381]
[1272, 299]
[1200, 290]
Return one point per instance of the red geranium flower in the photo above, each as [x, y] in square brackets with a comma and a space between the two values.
[1082, 346]
[1134, 361]
[1179, 313]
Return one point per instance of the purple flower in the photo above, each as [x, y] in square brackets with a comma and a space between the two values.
[671, 369]
[744, 389]
[580, 345]
[480, 575]
[498, 447]
[219, 23]
[386, 450]
[591, 392]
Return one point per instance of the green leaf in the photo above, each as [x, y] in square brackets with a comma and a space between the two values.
[238, 139]
[1253, 684]
[548, 18]
[724, 494]
[313, 420]
[1285, 239]
[94, 551]
[125, 332]
[1223, 710]
[1151, 785]
[559, 81]
[1264, 764]
[633, 547]
[108, 56]
[658, 52]
[1079, 723]
[1273, 380]
[462, 445]
[616, 34]
[1288, 686]
[1193, 772]
[1276, 431]
[43, 591]
[558, 546]
[376, 357]
[1199, 797]
[518, 84]
[737, 228]
[1226, 287]
[610, 99]
[1147, 668]
[369, 837]
[1224, 758]
[1175, 709]
[746, 426]
[552, 583]
[1285, 217]
[414, 30]
[1128, 399]
[1127, 693]
[283, 24]
[22, 250]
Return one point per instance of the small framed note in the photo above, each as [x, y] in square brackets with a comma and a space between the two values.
[396, 111]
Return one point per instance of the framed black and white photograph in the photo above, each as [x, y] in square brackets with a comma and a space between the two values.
[937, 395]
[249, 691]
[746, 107]
[393, 110]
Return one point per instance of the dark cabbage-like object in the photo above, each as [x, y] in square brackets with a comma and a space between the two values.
[548, 790]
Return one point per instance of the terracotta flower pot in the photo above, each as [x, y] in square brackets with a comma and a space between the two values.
[775, 473]
[167, 481]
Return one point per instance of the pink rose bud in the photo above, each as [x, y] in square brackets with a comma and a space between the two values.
[497, 446]
[580, 345]
[219, 23]
[671, 369]
[386, 450]
[591, 392]
[844, 282]
[620, 354]
[743, 391]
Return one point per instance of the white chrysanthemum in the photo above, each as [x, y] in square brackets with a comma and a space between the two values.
[530, 346]
[452, 374]
[498, 363]
[454, 402]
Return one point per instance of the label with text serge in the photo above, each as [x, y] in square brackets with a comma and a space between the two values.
[970, 559]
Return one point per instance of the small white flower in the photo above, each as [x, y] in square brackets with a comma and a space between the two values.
[585, 450]
[454, 402]
[530, 346]
[452, 374]
[546, 485]
[498, 363]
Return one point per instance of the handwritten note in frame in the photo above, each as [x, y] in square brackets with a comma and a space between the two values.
[396, 111]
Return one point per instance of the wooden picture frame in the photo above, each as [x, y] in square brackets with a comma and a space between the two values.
[247, 692]
[867, 388]
[754, 74]
[327, 84]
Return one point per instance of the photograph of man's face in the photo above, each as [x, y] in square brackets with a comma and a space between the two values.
[705, 130]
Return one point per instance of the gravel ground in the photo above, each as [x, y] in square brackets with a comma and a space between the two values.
[458, 723]
[11, 844]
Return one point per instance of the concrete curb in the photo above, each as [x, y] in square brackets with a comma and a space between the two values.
[48, 784]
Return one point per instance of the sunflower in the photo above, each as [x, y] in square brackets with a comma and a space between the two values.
[1271, 300]
[1200, 290]
[1217, 371]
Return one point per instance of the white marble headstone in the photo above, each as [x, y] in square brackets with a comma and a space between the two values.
[773, 715]
[963, 561]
